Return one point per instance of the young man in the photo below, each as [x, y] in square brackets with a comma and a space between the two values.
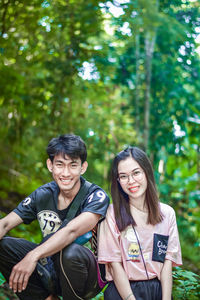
[73, 268]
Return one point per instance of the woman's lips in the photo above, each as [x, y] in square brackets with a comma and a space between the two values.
[133, 189]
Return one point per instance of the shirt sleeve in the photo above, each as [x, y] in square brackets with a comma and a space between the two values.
[26, 209]
[174, 248]
[97, 202]
[109, 240]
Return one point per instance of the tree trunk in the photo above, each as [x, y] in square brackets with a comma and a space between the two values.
[149, 49]
[137, 97]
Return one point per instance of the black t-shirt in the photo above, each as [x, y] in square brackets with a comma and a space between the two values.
[42, 205]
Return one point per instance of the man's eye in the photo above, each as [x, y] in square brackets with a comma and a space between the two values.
[74, 165]
[58, 165]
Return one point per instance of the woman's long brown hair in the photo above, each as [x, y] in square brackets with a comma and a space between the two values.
[120, 199]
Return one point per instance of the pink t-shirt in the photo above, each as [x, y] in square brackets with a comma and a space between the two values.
[158, 242]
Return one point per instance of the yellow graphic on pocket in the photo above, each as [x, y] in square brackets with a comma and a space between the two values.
[134, 252]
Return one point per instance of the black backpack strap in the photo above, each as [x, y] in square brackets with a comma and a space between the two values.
[84, 190]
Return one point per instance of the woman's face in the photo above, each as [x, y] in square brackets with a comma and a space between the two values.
[132, 179]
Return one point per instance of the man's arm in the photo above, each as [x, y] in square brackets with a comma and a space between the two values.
[166, 280]
[78, 226]
[9, 222]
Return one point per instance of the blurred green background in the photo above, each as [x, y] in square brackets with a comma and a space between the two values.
[116, 73]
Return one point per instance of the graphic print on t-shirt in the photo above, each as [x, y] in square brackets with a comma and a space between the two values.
[97, 195]
[160, 243]
[49, 221]
[133, 249]
[26, 201]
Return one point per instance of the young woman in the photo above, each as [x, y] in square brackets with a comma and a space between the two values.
[138, 240]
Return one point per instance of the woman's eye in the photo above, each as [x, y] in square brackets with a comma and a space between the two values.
[137, 172]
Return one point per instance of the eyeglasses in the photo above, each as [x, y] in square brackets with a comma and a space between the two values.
[136, 174]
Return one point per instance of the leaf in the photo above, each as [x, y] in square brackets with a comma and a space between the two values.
[2, 279]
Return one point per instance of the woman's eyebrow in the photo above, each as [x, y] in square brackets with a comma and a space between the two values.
[130, 171]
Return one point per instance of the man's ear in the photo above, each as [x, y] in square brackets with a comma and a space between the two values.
[84, 167]
[49, 165]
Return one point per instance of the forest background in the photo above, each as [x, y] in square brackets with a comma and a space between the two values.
[116, 73]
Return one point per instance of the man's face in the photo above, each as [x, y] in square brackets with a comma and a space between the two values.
[66, 172]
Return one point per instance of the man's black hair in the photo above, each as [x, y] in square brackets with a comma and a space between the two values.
[67, 144]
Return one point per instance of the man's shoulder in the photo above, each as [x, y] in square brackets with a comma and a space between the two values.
[99, 194]
[45, 192]
[50, 186]
[96, 200]
[93, 187]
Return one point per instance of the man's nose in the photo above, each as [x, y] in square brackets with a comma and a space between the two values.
[66, 171]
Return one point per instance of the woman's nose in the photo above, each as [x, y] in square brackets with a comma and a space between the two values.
[131, 178]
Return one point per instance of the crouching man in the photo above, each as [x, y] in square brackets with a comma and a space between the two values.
[67, 209]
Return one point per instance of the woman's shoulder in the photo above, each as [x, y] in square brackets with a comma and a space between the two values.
[110, 210]
[110, 221]
[166, 209]
[110, 215]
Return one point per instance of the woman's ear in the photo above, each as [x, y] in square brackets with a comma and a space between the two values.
[84, 167]
[49, 165]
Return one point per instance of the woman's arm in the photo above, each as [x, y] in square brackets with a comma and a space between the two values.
[121, 281]
[166, 280]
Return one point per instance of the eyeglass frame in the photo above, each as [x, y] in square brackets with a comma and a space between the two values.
[131, 174]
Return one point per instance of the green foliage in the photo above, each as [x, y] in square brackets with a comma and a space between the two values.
[186, 285]
[44, 92]
[29, 232]
[99, 296]
[6, 293]
[2, 279]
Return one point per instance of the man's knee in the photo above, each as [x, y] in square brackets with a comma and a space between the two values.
[72, 253]
[76, 257]
[5, 243]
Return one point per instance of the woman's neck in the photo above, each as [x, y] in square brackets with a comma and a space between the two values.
[140, 205]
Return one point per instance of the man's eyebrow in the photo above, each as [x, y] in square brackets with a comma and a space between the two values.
[74, 161]
[58, 160]
[70, 160]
